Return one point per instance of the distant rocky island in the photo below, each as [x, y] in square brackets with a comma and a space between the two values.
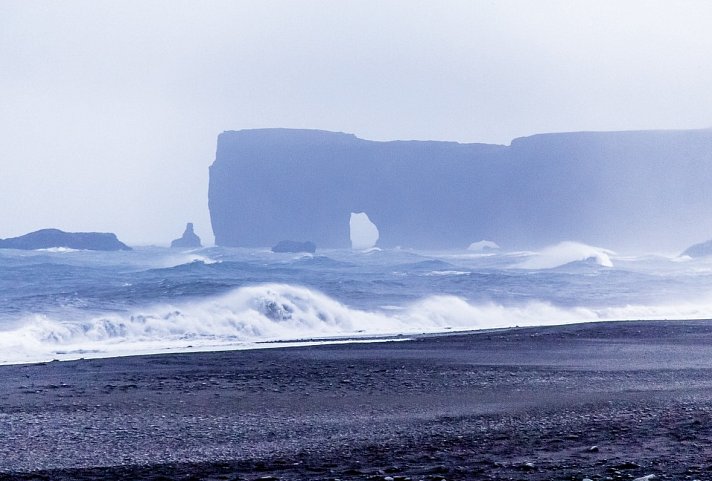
[55, 238]
[621, 190]
[295, 247]
[189, 238]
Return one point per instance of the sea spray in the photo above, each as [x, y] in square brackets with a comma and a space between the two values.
[281, 312]
[83, 304]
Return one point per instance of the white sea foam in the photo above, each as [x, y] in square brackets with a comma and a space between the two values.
[272, 312]
[187, 257]
[447, 273]
[58, 250]
[483, 245]
[565, 253]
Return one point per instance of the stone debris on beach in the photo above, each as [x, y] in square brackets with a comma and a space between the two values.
[442, 408]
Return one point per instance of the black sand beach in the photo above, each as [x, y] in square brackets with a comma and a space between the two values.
[601, 401]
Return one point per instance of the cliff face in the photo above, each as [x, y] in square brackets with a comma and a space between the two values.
[645, 189]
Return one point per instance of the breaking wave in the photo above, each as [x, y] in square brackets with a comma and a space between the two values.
[58, 250]
[281, 312]
[566, 253]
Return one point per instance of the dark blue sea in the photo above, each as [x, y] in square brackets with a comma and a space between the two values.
[65, 304]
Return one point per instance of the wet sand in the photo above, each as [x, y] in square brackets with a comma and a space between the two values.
[603, 401]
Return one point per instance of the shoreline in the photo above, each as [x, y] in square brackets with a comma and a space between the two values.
[316, 341]
[522, 403]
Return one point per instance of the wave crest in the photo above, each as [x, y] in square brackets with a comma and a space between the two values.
[282, 312]
[565, 253]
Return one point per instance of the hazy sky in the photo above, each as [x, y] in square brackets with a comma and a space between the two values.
[109, 111]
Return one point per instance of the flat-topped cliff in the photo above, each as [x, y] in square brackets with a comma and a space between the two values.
[625, 190]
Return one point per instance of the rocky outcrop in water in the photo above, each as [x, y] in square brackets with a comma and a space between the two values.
[188, 239]
[620, 190]
[294, 247]
[55, 238]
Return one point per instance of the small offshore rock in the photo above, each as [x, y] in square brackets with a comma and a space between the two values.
[188, 239]
[593, 449]
[295, 247]
[649, 477]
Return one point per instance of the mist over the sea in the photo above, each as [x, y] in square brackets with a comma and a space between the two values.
[110, 110]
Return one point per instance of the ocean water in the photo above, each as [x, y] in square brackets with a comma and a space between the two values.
[64, 304]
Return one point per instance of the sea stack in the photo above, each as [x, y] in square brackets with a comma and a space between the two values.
[188, 239]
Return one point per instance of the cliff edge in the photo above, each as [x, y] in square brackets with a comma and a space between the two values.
[622, 190]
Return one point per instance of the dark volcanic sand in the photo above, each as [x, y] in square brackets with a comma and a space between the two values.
[474, 406]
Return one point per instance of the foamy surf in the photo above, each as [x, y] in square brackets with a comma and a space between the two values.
[565, 253]
[251, 316]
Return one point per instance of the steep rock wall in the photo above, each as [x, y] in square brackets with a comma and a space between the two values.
[627, 190]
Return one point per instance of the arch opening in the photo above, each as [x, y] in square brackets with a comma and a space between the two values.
[363, 232]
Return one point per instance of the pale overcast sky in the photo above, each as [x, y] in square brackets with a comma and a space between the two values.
[109, 110]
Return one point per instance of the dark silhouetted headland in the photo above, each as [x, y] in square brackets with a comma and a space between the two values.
[622, 190]
[55, 238]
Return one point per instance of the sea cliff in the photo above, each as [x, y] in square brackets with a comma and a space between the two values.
[623, 190]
